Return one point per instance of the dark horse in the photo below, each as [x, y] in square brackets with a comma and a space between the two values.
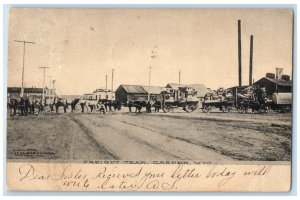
[259, 102]
[109, 104]
[157, 106]
[137, 104]
[255, 100]
[60, 103]
[73, 104]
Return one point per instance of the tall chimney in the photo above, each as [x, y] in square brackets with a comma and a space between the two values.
[251, 60]
[240, 53]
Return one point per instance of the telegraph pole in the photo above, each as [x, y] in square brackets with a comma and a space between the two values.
[24, 44]
[50, 83]
[106, 97]
[149, 81]
[43, 96]
[251, 60]
[179, 76]
[53, 88]
[240, 53]
[112, 80]
[153, 56]
[50, 78]
[106, 82]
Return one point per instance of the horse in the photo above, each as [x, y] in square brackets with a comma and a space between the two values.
[92, 104]
[88, 103]
[50, 103]
[40, 107]
[10, 105]
[115, 104]
[13, 106]
[109, 104]
[73, 104]
[259, 103]
[255, 99]
[137, 104]
[157, 106]
[60, 103]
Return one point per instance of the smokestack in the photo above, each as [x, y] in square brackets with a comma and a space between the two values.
[251, 60]
[240, 53]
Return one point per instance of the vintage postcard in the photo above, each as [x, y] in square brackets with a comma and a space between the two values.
[149, 99]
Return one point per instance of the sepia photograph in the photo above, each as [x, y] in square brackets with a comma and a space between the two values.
[158, 88]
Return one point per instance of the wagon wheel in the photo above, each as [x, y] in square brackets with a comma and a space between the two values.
[226, 109]
[283, 109]
[243, 109]
[190, 108]
[167, 108]
[223, 108]
[206, 109]
[231, 108]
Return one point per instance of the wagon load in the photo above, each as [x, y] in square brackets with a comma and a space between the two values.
[185, 97]
[282, 98]
[221, 99]
[282, 102]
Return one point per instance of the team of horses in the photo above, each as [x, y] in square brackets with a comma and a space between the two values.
[254, 99]
[27, 106]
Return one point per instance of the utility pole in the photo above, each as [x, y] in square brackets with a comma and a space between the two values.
[179, 76]
[24, 44]
[53, 88]
[251, 60]
[106, 97]
[153, 56]
[149, 81]
[50, 84]
[112, 80]
[43, 96]
[106, 82]
[240, 53]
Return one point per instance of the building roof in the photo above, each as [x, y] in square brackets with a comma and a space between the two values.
[140, 89]
[153, 89]
[101, 90]
[279, 82]
[26, 90]
[175, 86]
[200, 88]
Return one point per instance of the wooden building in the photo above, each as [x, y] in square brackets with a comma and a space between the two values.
[33, 92]
[274, 85]
[126, 93]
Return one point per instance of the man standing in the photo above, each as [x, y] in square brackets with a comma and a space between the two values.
[101, 107]
[27, 105]
[32, 106]
[22, 105]
[148, 107]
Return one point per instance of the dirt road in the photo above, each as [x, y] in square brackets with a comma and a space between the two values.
[132, 136]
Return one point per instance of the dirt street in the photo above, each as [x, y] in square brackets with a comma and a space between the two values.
[217, 137]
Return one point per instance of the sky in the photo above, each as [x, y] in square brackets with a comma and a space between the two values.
[81, 46]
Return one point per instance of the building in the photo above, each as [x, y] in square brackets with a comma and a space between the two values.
[275, 85]
[200, 88]
[126, 93]
[87, 96]
[71, 97]
[103, 94]
[33, 92]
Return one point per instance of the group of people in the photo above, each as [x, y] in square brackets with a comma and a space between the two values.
[24, 106]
